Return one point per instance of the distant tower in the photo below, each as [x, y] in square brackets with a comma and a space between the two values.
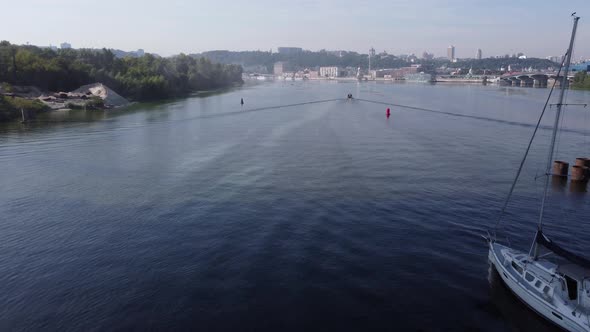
[451, 53]
[478, 54]
[371, 55]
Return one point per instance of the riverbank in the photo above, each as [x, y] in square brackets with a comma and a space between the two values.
[77, 106]
[581, 81]
[26, 102]
[145, 78]
[32, 101]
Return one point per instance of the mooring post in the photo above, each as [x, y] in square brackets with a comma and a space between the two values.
[560, 168]
[22, 111]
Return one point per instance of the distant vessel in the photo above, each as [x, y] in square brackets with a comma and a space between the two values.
[419, 77]
[557, 289]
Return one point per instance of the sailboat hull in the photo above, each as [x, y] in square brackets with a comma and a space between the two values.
[518, 286]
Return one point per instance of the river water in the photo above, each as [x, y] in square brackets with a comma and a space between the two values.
[201, 214]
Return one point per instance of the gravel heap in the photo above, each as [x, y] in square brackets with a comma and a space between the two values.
[110, 97]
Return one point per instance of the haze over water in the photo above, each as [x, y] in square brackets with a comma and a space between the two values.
[199, 214]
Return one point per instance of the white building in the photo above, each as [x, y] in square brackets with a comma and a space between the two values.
[329, 71]
[65, 46]
[279, 68]
[478, 54]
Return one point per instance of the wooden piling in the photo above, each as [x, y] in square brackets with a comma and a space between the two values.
[582, 161]
[579, 173]
[560, 168]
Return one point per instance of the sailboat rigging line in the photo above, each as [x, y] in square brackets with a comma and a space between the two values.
[505, 205]
[586, 131]
[449, 113]
[213, 115]
[564, 87]
[559, 128]
[551, 105]
[267, 108]
[419, 108]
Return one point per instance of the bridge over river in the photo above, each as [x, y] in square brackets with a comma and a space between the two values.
[539, 79]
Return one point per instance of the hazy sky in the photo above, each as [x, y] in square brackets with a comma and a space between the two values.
[536, 27]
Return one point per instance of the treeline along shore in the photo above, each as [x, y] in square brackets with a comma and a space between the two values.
[145, 78]
[581, 81]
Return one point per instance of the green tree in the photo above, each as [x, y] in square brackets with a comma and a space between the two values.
[145, 78]
[581, 81]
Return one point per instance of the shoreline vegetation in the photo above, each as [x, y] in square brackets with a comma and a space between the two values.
[146, 78]
[581, 81]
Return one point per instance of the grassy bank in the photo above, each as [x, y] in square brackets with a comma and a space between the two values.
[581, 81]
[10, 107]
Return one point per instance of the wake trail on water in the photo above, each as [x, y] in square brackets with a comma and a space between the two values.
[266, 108]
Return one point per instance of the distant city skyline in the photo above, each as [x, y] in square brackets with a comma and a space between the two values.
[537, 29]
[291, 49]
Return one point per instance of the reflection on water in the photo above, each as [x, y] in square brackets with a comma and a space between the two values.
[558, 183]
[508, 91]
[578, 186]
[512, 309]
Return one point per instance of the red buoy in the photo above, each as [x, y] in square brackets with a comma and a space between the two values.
[388, 113]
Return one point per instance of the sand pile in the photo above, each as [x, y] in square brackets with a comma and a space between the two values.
[110, 97]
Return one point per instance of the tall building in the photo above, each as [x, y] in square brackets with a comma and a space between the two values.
[65, 45]
[451, 53]
[478, 54]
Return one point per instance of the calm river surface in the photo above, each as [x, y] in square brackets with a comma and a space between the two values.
[198, 214]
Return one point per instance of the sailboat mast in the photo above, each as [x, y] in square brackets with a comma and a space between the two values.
[564, 84]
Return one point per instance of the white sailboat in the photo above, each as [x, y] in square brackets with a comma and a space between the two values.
[551, 280]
